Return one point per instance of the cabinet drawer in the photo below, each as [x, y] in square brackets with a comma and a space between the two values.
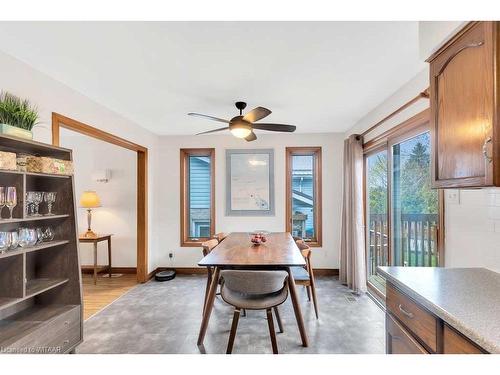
[455, 343]
[55, 336]
[415, 318]
[398, 340]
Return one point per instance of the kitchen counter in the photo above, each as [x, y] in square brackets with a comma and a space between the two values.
[468, 299]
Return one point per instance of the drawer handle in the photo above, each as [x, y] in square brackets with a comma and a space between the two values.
[66, 342]
[408, 314]
[485, 150]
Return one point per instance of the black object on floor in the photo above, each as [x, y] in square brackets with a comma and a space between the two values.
[165, 275]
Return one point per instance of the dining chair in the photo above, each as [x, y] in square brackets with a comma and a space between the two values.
[254, 290]
[305, 275]
[207, 247]
[220, 236]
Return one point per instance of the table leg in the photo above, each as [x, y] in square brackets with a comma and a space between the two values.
[109, 256]
[209, 305]
[296, 308]
[95, 263]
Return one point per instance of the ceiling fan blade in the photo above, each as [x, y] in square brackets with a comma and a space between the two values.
[256, 114]
[208, 117]
[213, 131]
[275, 127]
[251, 137]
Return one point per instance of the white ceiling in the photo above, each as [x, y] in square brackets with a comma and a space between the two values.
[320, 76]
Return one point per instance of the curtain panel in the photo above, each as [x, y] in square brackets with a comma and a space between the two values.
[352, 249]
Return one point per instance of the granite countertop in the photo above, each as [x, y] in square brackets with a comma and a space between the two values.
[468, 299]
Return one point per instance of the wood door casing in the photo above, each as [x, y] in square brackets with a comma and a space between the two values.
[462, 109]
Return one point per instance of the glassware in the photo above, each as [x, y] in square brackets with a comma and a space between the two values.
[27, 237]
[39, 235]
[50, 198]
[4, 241]
[32, 237]
[37, 199]
[23, 237]
[2, 200]
[29, 203]
[14, 240]
[48, 234]
[11, 199]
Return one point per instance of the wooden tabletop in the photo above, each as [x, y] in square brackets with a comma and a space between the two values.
[237, 250]
[100, 237]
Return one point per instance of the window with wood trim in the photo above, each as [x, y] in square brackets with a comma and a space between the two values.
[303, 193]
[197, 195]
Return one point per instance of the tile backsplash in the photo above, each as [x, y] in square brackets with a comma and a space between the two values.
[472, 228]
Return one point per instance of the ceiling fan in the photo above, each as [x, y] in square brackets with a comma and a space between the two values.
[242, 126]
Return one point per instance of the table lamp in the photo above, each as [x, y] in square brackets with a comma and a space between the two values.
[89, 200]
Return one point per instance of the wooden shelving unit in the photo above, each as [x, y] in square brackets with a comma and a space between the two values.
[40, 286]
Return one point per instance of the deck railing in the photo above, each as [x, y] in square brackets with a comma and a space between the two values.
[414, 245]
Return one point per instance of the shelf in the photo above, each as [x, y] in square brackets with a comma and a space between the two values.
[43, 245]
[35, 174]
[32, 218]
[37, 286]
[6, 302]
[26, 321]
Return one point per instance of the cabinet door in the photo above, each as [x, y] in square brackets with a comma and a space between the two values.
[462, 105]
[455, 343]
[398, 340]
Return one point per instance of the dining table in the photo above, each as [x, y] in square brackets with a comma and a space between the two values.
[236, 251]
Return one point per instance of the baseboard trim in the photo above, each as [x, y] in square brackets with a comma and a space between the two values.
[103, 269]
[203, 270]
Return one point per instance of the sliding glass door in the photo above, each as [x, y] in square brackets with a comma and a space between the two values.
[377, 228]
[414, 205]
[401, 210]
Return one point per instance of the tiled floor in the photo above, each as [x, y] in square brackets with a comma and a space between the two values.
[165, 318]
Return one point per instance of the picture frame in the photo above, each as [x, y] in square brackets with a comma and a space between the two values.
[250, 182]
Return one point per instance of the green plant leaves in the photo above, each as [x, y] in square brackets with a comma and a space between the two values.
[17, 112]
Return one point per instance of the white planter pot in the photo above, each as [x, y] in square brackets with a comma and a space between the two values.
[15, 131]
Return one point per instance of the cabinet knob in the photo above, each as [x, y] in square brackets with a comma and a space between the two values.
[485, 150]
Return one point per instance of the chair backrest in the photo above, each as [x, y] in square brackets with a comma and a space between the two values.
[304, 248]
[254, 282]
[220, 236]
[208, 246]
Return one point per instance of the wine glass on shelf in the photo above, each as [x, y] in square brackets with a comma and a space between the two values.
[2, 200]
[50, 198]
[37, 199]
[11, 199]
[48, 234]
[29, 203]
[14, 240]
[4, 241]
[23, 237]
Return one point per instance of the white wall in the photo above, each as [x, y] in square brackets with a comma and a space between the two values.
[52, 96]
[118, 214]
[169, 201]
[472, 224]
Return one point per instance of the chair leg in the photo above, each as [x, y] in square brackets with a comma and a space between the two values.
[315, 301]
[232, 335]
[271, 330]
[244, 312]
[308, 288]
[278, 319]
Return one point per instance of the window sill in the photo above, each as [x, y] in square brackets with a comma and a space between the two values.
[193, 243]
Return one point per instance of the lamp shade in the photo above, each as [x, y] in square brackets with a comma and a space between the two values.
[90, 199]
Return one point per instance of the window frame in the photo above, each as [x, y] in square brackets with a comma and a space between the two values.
[317, 151]
[410, 128]
[185, 153]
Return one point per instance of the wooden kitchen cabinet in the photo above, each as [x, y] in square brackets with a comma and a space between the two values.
[464, 108]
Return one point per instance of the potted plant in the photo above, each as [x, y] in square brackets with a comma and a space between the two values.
[17, 116]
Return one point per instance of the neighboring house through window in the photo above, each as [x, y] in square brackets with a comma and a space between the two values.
[197, 196]
[303, 217]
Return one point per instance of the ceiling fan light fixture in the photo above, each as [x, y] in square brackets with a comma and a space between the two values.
[240, 130]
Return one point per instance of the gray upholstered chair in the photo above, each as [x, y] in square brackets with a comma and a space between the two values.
[255, 290]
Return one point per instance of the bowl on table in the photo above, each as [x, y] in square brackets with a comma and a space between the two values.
[258, 237]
